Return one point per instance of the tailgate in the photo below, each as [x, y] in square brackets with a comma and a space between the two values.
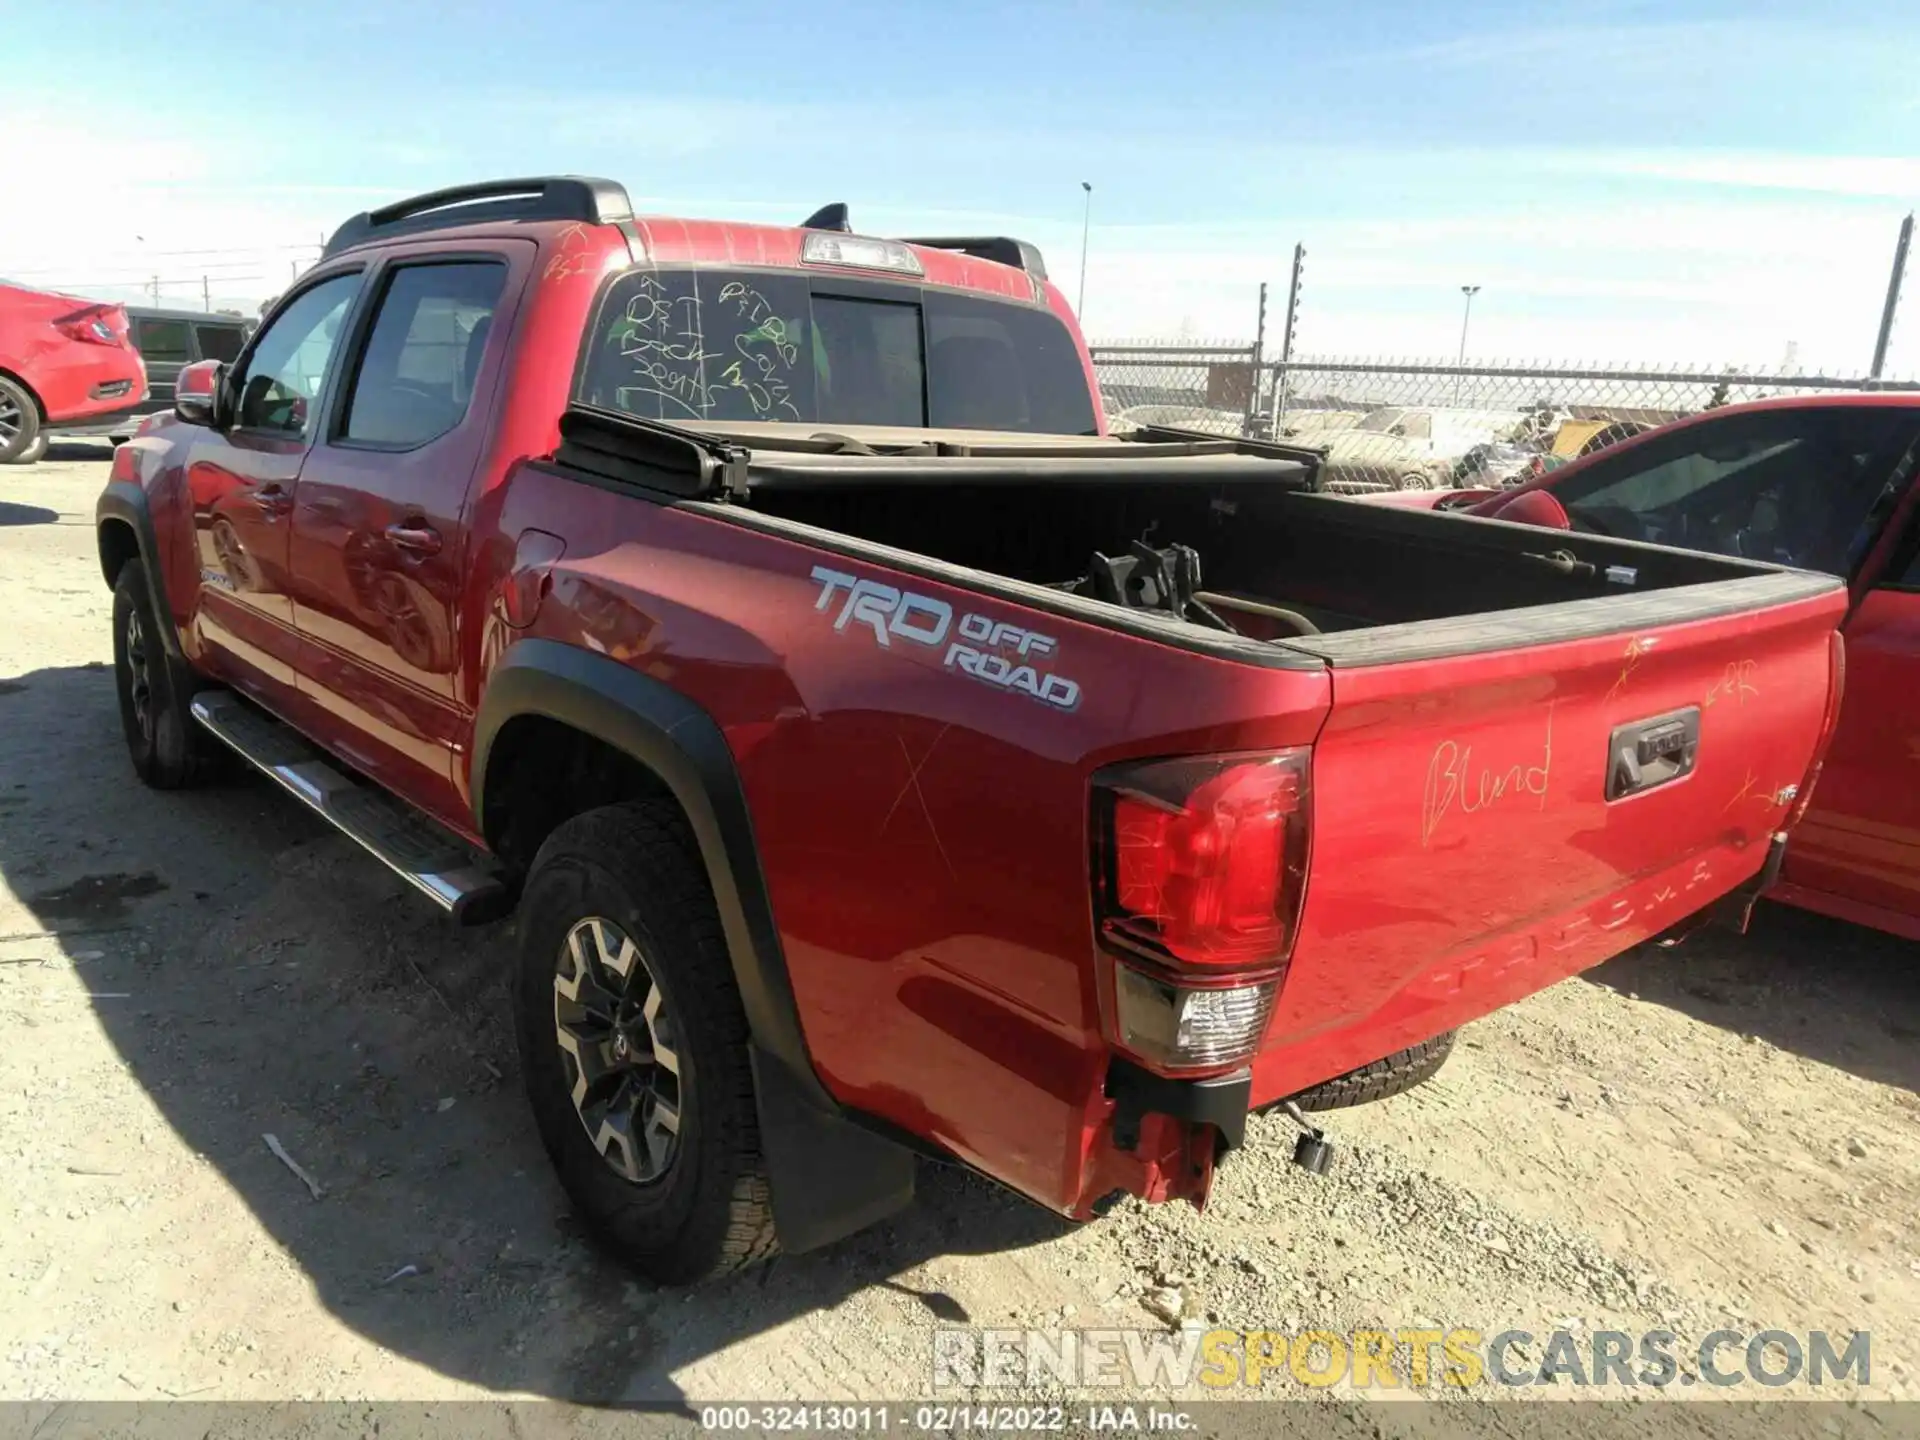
[1492, 813]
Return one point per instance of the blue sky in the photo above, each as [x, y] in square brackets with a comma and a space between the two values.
[1698, 180]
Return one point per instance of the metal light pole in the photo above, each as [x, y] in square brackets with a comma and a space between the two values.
[1469, 291]
[1086, 228]
[1893, 297]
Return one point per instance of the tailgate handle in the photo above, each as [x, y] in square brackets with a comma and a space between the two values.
[1652, 752]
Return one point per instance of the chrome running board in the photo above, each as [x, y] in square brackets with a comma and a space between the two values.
[429, 857]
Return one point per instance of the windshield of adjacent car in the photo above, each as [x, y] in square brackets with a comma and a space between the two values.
[1792, 486]
[725, 345]
[1379, 422]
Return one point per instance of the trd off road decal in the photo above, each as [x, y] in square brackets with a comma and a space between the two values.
[979, 646]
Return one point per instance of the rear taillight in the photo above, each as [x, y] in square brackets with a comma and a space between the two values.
[1204, 859]
[1199, 872]
[97, 325]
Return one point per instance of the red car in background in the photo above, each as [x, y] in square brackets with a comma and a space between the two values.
[63, 361]
[1823, 483]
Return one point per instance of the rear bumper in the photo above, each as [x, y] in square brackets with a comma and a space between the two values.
[1467, 984]
[117, 422]
[79, 384]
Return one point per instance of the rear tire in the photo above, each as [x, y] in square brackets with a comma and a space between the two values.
[1399, 1072]
[22, 441]
[169, 749]
[685, 1202]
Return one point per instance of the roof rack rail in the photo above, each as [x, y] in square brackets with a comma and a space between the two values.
[1001, 249]
[538, 197]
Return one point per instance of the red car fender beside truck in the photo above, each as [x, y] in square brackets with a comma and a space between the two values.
[765, 615]
[63, 361]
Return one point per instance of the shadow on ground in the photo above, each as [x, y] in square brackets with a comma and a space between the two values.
[1837, 993]
[278, 981]
[11, 514]
[77, 447]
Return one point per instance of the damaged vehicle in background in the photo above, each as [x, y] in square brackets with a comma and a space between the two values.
[63, 361]
[1822, 483]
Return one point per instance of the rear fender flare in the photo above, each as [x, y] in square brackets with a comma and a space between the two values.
[680, 743]
[830, 1172]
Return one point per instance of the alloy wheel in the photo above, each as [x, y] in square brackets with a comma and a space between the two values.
[139, 673]
[618, 1047]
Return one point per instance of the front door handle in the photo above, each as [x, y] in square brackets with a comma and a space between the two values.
[273, 501]
[421, 539]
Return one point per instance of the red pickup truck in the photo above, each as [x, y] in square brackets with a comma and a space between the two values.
[765, 615]
[1824, 482]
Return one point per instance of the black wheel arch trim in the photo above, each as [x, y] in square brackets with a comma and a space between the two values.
[125, 503]
[679, 742]
[829, 1175]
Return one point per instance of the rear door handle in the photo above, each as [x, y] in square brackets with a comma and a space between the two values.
[422, 539]
[1652, 752]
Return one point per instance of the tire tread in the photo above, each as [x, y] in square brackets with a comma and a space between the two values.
[1392, 1075]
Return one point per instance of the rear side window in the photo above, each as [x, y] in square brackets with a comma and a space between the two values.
[740, 346]
[164, 341]
[422, 357]
[219, 342]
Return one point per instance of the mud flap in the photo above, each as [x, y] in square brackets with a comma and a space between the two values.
[1734, 910]
[829, 1176]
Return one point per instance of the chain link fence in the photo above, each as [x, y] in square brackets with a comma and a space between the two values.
[1408, 424]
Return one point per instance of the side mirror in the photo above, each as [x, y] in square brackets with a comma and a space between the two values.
[196, 392]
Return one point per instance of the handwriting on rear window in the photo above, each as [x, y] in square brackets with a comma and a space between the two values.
[1455, 783]
[670, 345]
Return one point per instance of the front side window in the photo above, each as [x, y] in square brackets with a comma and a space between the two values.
[422, 357]
[290, 363]
[727, 346]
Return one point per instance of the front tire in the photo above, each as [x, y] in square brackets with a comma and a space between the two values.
[633, 1046]
[168, 748]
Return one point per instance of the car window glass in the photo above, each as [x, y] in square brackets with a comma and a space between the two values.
[996, 366]
[872, 372]
[289, 363]
[1417, 425]
[422, 357]
[220, 342]
[723, 346]
[162, 341]
[1792, 487]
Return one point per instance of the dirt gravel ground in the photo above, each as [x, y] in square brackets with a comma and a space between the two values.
[1719, 1135]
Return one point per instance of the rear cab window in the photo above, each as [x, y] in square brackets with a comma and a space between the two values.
[738, 345]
